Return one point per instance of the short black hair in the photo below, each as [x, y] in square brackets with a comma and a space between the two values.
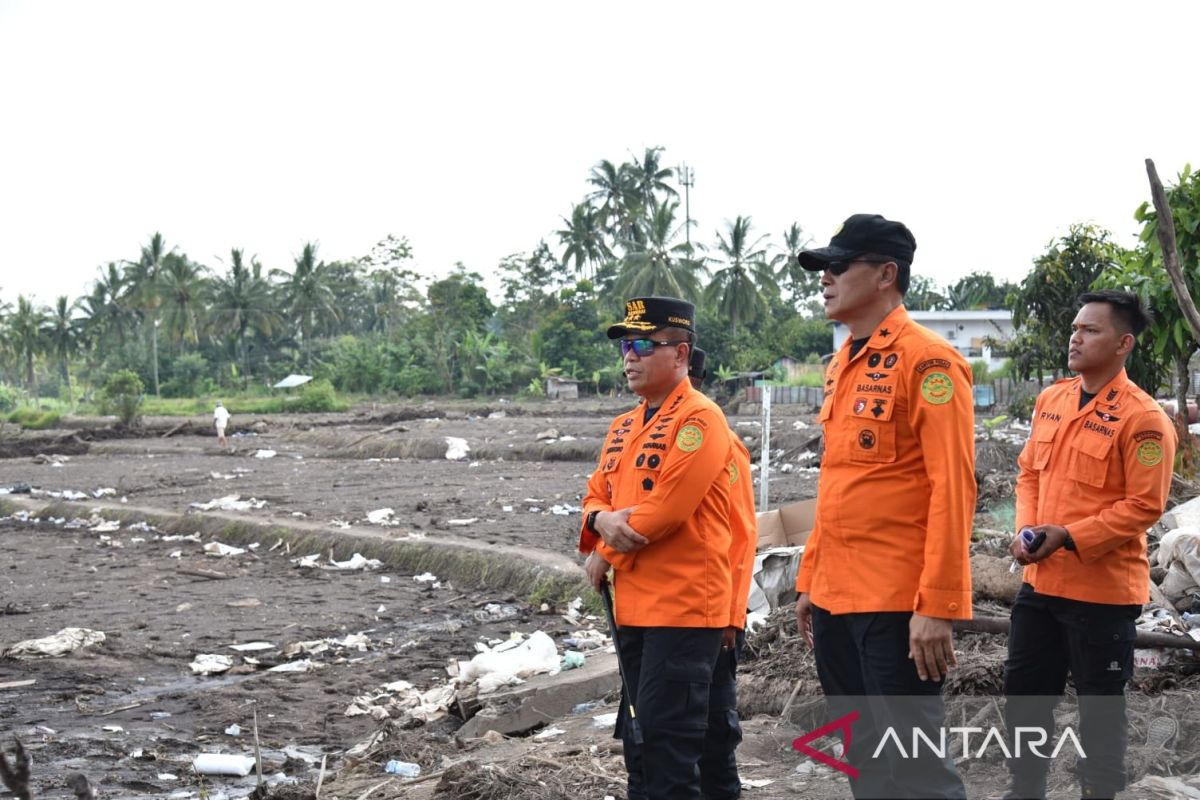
[903, 269]
[1126, 307]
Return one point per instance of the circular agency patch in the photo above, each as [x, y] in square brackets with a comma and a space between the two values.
[689, 439]
[1149, 453]
[937, 388]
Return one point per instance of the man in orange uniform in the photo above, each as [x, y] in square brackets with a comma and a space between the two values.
[1094, 476]
[718, 766]
[886, 569]
[657, 509]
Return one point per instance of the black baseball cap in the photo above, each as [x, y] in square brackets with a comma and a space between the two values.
[861, 234]
[649, 314]
[696, 364]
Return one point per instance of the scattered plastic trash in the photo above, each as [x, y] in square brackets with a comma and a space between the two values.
[113, 729]
[231, 502]
[495, 612]
[211, 664]
[456, 448]
[564, 510]
[251, 647]
[507, 665]
[463, 522]
[223, 764]
[234, 730]
[355, 562]
[167, 776]
[584, 708]
[425, 577]
[380, 516]
[497, 415]
[573, 659]
[67, 640]
[303, 665]
[222, 550]
[264, 453]
[604, 720]
[404, 769]
[547, 734]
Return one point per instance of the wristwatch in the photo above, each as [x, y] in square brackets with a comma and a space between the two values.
[590, 521]
[1069, 543]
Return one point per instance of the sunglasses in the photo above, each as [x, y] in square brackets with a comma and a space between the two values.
[644, 347]
[840, 267]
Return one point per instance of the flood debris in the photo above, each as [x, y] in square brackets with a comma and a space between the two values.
[230, 502]
[211, 664]
[456, 448]
[16, 774]
[65, 641]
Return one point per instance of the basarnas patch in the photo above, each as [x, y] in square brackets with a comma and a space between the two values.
[937, 388]
[689, 439]
[1149, 453]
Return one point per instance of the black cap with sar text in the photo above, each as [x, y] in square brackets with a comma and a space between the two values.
[859, 235]
[649, 314]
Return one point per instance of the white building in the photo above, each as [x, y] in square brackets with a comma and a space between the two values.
[969, 331]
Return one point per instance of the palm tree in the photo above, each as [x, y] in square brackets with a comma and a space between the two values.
[736, 290]
[61, 332]
[183, 290]
[660, 264]
[616, 196]
[799, 281]
[25, 336]
[583, 239]
[241, 302]
[308, 296]
[143, 291]
[648, 177]
[104, 312]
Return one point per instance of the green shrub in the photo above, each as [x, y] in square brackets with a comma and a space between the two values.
[189, 377]
[8, 397]
[32, 419]
[317, 396]
[979, 372]
[122, 395]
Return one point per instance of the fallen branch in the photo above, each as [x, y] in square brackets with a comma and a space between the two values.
[207, 574]
[176, 429]
[1144, 638]
[388, 429]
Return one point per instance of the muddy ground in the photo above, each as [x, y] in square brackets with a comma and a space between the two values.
[130, 714]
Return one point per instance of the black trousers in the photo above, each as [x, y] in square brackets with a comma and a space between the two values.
[862, 661]
[1049, 637]
[669, 671]
[718, 764]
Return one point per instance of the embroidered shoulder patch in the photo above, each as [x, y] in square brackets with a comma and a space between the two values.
[1149, 453]
[689, 439]
[937, 388]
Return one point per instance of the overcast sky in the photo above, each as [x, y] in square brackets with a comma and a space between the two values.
[470, 127]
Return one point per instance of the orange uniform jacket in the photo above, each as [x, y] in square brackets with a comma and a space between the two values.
[743, 527]
[1103, 473]
[677, 470]
[896, 497]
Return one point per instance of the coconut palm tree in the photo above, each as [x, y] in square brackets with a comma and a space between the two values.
[241, 302]
[647, 177]
[25, 337]
[308, 296]
[62, 337]
[583, 239]
[616, 196]
[799, 281]
[736, 289]
[184, 295]
[660, 264]
[143, 291]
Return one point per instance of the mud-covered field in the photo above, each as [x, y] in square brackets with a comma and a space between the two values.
[130, 713]
[109, 531]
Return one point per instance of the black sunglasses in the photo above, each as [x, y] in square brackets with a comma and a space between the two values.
[644, 347]
[840, 267]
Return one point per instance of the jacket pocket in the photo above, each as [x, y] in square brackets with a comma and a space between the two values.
[1043, 446]
[1088, 462]
[872, 442]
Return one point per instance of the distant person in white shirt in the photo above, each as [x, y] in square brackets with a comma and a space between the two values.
[221, 418]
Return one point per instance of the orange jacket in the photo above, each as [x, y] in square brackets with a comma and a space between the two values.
[896, 496]
[1103, 473]
[676, 469]
[743, 527]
